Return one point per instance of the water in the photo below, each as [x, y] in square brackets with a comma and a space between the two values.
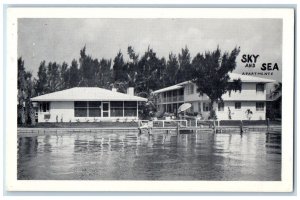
[128, 156]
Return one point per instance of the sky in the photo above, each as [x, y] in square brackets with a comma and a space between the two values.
[58, 40]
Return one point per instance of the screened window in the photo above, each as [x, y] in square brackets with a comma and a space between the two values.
[181, 92]
[237, 105]
[80, 108]
[44, 106]
[169, 107]
[206, 107]
[260, 87]
[260, 106]
[175, 108]
[94, 109]
[87, 109]
[116, 109]
[130, 108]
[221, 106]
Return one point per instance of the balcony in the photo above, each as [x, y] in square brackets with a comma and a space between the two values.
[171, 99]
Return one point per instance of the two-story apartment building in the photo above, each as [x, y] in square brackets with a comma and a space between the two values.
[235, 105]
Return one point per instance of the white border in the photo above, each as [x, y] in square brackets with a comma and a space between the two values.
[286, 185]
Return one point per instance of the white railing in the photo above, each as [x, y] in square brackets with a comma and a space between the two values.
[171, 99]
[163, 122]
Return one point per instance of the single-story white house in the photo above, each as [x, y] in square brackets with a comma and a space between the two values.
[87, 104]
[249, 103]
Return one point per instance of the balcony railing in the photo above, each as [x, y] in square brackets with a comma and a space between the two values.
[171, 99]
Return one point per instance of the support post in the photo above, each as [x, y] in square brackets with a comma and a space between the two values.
[214, 127]
[177, 129]
[241, 127]
[268, 125]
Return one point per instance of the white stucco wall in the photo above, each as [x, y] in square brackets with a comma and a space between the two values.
[62, 109]
[248, 93]
[240, 114]
[65, 110]
[236, 114]
[195, 96]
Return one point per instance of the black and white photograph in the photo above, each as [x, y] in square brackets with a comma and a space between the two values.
[151, 99]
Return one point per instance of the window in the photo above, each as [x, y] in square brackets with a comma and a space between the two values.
[181, 92]
[206, 107]
[169, 108]
[175, 108]
[44, 106]
[221, 106]
[94, 109]
[260, 87]
[87, 109]
[80, 108]
[260, 106]
[199, 107]
[237, 105]
[190, 89]
[130, 108]
[116, 109]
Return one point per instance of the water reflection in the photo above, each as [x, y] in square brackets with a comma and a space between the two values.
[130, 156]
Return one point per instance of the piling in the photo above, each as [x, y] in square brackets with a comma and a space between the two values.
[177, 129]
[241, 127]
[268, 125]
[214, 126]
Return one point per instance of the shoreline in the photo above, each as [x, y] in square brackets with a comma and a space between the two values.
[156, 130]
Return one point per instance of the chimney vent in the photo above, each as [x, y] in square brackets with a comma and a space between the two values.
[130, 91]
[114, 89]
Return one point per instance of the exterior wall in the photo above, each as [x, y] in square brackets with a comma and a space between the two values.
[248, 93]
[240, 114]
[236, 114]
[194, 96]
[248, 98]
[64, 110]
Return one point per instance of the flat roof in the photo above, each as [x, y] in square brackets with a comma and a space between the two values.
[87, 94]
[233, 76]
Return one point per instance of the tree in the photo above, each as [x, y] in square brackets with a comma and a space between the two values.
[185, 71]
[105, 73]
[120, 76]
[171, 70]
[149, 72]
[119, 69]
[21, 91]
[64, 76]
[210, 74]
[132, 65]
[53, 77]
[74, 76]
[41, 84]
[89, 69]
[25, 92]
